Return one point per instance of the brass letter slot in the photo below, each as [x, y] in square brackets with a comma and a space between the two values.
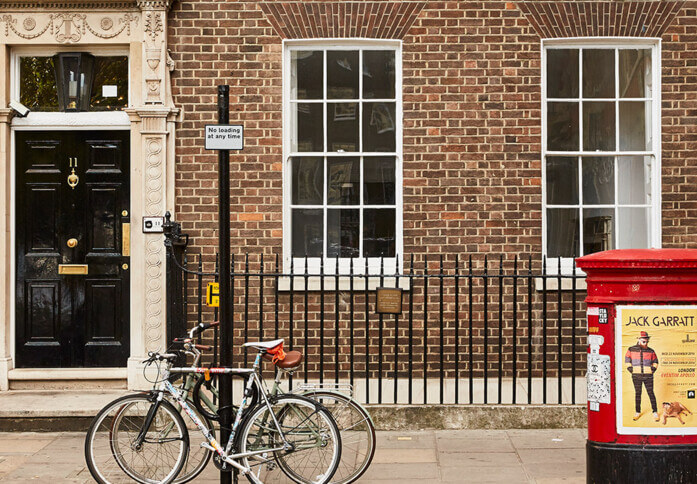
[126, 239]
[73, 269]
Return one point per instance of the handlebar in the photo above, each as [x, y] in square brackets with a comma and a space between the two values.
[153, 356]
[193, 345]
[199, 328]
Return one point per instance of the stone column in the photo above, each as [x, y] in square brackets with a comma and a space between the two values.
[152, 162]
[5, 248]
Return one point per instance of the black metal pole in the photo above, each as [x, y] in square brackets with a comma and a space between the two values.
[225, 300]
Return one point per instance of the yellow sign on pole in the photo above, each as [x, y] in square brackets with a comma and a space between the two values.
[213, 294]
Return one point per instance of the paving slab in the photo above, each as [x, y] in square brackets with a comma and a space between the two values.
[424, 457]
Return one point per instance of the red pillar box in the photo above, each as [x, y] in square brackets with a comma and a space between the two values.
[642, 360]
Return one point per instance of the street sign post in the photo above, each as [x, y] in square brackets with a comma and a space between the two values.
[224, 137]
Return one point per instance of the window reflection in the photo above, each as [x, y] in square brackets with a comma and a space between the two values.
[38, 92]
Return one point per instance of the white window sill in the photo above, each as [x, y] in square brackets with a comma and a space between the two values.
[329, 283]
[567, 283]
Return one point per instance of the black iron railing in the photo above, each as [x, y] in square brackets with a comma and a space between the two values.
[472, 329]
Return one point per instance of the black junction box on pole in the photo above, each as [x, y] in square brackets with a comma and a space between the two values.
[225, 300]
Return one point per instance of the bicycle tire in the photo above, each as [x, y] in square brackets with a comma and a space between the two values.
[104, 442]
[307, 426]
[357, 433]
[197, 457]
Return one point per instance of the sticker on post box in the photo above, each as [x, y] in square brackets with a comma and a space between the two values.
[656, 370]
[602, 315]
[598, 378]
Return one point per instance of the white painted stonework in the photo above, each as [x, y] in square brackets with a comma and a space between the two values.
[140, 28]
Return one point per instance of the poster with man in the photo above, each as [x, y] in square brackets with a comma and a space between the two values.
[656, 370]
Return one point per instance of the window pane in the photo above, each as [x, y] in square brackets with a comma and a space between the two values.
[635, 73]
[598, 230]
[633, 179]
[635, 126]
[307, 232]
[37, 81]
[379, 232]
[343, 181]
[342, 232]
[379, 127]
[598, 126]
[634, 228]
[379, 181]
[308, 177]
[562, 126]
[598, 181]
[342, 126]
[378, 74]
[342, 74]
[110, 86]
[598, 73]
[562, 73]
[562, 181]
[309, 127]
[562, 232]
[307, 74]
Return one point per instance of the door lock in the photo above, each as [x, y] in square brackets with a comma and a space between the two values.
[124, 267]
[72, 243]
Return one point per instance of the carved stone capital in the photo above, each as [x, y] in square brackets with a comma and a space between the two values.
[6, 115]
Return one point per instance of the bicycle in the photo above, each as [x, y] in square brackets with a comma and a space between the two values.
[354, 421]
[146, 438]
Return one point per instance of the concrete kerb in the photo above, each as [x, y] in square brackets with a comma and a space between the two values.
[386, 417]
[493, 417]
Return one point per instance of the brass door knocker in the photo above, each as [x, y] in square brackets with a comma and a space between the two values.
[73, 179]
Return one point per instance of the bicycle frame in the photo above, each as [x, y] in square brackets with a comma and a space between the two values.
[252, 379]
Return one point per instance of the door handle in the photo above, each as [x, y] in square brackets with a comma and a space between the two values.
[126, 239]
[72, 243]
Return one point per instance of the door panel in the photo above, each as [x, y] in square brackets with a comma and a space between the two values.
[102, 229]
[42, 218]
[43, 318]
[72, 320]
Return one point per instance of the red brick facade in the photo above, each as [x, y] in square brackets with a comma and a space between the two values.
[472, 122]
[472, 136]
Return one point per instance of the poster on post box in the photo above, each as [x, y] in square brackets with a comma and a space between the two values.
[655, 365]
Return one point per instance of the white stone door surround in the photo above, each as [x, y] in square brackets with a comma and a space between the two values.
[139, 27]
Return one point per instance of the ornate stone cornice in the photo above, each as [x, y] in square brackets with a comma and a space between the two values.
[68, 27]
[155, 4]
[8, 5]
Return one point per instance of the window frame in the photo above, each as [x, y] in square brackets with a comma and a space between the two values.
[390, 265]
[566, 264]
[96, 50]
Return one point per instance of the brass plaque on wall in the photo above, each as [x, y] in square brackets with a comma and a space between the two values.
[389, 300]
[72, 269]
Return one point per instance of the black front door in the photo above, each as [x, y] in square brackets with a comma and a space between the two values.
[72, 292]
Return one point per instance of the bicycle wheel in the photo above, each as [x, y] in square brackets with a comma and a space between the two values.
[357, 433]
[315, 442]
[197, 457]
[113, 454]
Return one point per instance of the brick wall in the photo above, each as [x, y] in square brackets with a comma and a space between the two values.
[472, 127]
[471, 88]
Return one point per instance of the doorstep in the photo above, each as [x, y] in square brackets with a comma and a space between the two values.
[68, 379]
[50, 410]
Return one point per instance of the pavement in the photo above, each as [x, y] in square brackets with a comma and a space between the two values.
[426, 456]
